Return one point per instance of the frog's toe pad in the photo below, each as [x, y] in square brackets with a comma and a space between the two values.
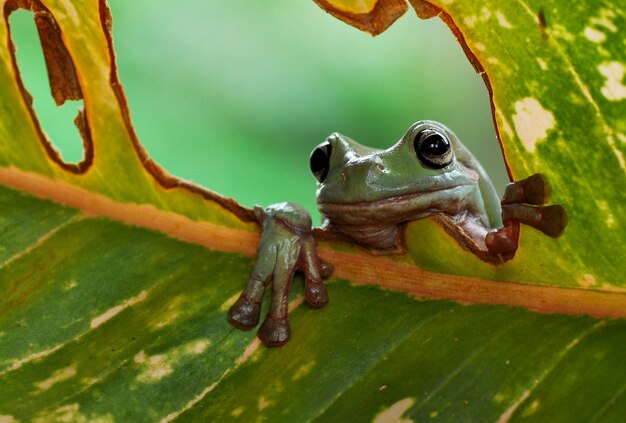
[532, 190]
[326, 269]
[275, 331]
[244, 314]
[502, 241]
[554, 220]
[316, 294]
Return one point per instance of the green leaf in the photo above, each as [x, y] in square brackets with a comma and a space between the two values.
[100, 320]
[135, 330]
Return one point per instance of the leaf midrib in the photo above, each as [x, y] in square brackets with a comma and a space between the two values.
[360, 266]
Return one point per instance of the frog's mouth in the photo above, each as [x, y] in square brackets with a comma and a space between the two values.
[400, 208]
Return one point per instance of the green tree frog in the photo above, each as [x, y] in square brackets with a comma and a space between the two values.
[368, 195]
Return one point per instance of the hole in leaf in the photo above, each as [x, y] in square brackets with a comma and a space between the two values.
[244, 88]
[56, 100]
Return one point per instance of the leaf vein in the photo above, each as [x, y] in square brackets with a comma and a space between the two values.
[41, 240]
[510, 411]
[392, 348]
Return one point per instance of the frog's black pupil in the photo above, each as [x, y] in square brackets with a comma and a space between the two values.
[435, 145]
[320, 161]
[433, 149]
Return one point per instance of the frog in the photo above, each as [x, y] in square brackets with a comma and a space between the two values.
[368, 196]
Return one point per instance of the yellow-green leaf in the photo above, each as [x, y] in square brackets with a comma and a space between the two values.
[100, 320]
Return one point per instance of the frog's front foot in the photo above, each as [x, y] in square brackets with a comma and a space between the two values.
[286, 246]
[523, 203]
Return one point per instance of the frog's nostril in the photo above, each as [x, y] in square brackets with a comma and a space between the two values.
[320, 161]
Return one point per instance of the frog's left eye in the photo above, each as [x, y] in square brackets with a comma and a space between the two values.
[433, 149]
[320, 161]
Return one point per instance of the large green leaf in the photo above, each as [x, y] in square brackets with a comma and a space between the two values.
[135, 330]
[101, 320]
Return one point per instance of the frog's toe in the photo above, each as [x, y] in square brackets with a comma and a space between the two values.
[326, 268]
[275, 331]
[503, 240]
[244, 314]
[315, 293]
[551, 220]
[532, 190]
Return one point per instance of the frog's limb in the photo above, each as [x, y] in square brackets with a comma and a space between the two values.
[244, 314]
[286, 246]
[275, 330]
[535, 190]
[516, 205]
[314, 271]
[490, 199]
[520, 205]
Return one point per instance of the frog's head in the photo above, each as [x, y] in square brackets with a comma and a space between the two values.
[422, 174]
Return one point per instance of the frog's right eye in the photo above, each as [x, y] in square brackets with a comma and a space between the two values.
[320, 161]
[433, 149]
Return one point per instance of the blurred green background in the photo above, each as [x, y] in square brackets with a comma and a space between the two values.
[234, 95]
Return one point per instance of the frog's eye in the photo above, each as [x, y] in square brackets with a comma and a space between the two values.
[320, 161]
[433, 149]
